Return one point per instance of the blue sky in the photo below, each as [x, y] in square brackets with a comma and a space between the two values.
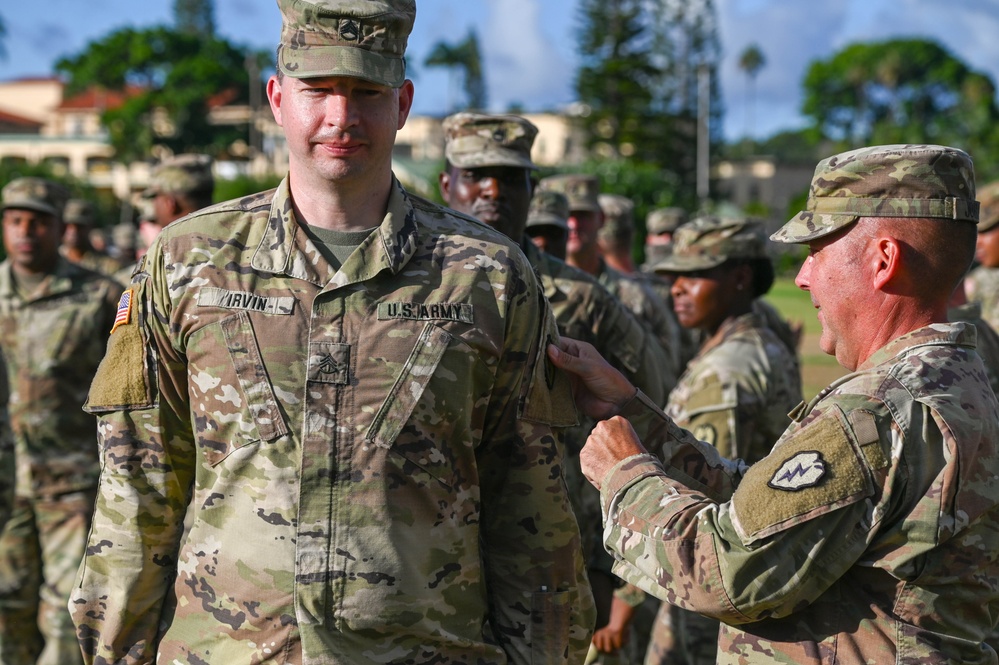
[530, 50]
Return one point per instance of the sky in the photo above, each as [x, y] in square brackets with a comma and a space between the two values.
[530, 45]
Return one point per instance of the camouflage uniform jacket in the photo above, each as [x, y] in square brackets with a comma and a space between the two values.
[643, 302]
[869, 535]
[736, 393]
[367, 453]
[984, 289]
[53, 342]
[988, 339]
[586, 311]
[100, 262]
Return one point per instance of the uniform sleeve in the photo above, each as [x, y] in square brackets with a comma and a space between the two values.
[633, 350]
[540, 605]
[796, 522]
[139, 394]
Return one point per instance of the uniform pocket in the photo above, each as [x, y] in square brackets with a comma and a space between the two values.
[405, 394]
[237, 404]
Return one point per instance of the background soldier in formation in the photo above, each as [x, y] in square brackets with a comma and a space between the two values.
[54, 320]
[851, 540]
[583, 252]
[489, 175]
[735, 394]
[355, 376]
[79, 219]
[982, 284]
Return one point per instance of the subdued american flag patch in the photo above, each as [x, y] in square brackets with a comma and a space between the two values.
[124, 313]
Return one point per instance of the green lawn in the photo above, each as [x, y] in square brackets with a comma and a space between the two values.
[818, 369]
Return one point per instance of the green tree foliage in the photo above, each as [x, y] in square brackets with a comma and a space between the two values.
[3, 37]
[169, 78]
[638, 80]
[465, 57]
[904, 91]
[195, 17]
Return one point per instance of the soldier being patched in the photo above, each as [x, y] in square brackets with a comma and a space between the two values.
[328, 422]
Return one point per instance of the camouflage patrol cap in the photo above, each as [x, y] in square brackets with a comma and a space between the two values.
[181, 174]
[988, 198]
[36, 194]
[79, 211]
[709, 241]
[357, 38]
[619, 216]
[548, 209]
[581, 190]
[885, 181]
[665, 220]
[473, 140]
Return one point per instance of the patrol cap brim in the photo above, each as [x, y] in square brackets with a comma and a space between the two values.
[807, 226]
[674, 263]
[35, 206]
[473, 152]
[347, 61]
[542, 219]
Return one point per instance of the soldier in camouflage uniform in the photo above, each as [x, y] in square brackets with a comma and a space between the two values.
[76, 247]
[489, 174]
[870, 533]
[54, 318]
[583, 252]
[660, 225]
[548, 223]
[982, 284]
[344, 389]
[178, 186]
[736, 393]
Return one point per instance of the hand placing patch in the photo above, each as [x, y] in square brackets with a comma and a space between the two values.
[805, 469]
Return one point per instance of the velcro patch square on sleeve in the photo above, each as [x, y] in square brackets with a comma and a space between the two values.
[813, 471]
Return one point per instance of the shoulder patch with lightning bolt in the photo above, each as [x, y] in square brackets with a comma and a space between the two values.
[816, 468]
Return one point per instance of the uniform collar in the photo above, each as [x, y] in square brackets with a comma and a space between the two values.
[935, 334]
[59, 281]
[286, 249]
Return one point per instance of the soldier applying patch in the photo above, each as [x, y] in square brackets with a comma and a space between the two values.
[849, 541]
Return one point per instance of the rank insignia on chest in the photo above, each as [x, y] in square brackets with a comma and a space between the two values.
[806, 469]
[123, 315]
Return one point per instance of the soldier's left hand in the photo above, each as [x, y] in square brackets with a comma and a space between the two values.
[610, 442]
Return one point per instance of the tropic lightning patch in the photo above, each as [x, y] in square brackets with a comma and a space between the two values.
[815, 469]
[707, 434]
[803, 470]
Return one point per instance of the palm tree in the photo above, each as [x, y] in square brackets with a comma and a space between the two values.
[751, 61]
[465, 57]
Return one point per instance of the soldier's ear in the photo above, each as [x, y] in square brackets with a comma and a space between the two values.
[444, 183]
[885, 261]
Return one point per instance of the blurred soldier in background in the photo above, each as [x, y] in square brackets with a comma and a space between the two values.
[660, 224]
[76, 246]
[982, 284]
[489, 175]
[583, 252]
[548, 223]
[54, 320]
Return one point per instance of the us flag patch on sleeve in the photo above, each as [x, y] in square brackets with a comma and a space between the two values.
[124, 313]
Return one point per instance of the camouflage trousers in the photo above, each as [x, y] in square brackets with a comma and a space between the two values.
[41, 548]
[681, 637]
